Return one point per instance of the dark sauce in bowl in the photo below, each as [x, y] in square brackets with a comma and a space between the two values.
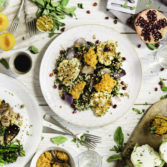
[23, 63]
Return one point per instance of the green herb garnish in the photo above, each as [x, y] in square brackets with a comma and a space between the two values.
[138, 111]
[163, 97]
[133, 8]
[149, 4]
[163, 88]
[125, 5]
[33, 49]
[56, 10]
[4, 63]
[153, 129]
[114, 157]
[152, 46]
[80, 5]
[119, 140]
[59, 140]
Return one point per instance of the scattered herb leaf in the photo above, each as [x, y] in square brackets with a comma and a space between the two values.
[114, 157]
[33, 49]
[152, 46]
[119, 136]
[80, 5]
[152, 129]
[138, 111]
[163, 97]
[4, 63]
[133, 8]
[59, 140]
[149, 4]
[125, 5]
[163, 88]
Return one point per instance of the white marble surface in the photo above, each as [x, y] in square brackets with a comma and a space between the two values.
[151, 73]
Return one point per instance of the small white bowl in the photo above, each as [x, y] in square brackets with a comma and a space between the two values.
[41, 151]
[11, 62]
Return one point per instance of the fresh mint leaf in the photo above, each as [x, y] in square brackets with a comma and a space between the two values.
[163, 97]
[149, 4]
[80, 5]
[117, 149]
[133, 8]
[51, 34]
[33, 49]
[163, 88]
[59, 140]
[64, 3]
[119, 136]
[153, 129]
[4, 63]
[39, 2]
[114, 157]
[70, 11]
[138, 111]
[125, 5]
[152, 46]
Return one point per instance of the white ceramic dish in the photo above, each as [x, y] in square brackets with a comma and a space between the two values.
[15, 94]
[131, 65]
[51, 147]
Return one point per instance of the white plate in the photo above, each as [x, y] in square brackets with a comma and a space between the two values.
[15, 94]
[131, 65]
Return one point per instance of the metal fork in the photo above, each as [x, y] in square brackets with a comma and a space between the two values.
[90, 141]
[16, 20]
[31, 27]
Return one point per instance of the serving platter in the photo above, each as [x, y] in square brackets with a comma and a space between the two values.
[142, 135]
[131, 65]
[16, 95]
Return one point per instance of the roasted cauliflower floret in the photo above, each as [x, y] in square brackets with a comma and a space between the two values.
[62, 156]
[68, 71]
[91, 58]
[100, 102]
[106, 51]
[77, 90]
[106, 84]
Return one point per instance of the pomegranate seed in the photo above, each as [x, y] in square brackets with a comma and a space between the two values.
[88, 11]
[115, 21]
[61, 51]
[51, 74]
[63, 29]
[74, 112]
[156, 89]
[162, 69]
[114, 106]
[139, 45]
[97, 41]
[95, 4]
[55, 86]
[123, 58]
[124, 88]
[106, 18]
[122, 83]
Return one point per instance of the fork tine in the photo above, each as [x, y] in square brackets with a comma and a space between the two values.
[93, 137]
[89, 145]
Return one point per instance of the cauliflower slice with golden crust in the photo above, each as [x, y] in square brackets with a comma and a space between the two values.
[77, 90]
[68, 71]
[91, 58]
[100, 102]
[106, 52]
[106, 84]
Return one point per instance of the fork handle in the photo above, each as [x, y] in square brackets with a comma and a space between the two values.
[49, 118]
[20, 8]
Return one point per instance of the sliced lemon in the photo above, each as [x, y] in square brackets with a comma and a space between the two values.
[44, 23]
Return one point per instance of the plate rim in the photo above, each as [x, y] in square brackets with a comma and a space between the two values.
[27, 160]
[141, 76]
